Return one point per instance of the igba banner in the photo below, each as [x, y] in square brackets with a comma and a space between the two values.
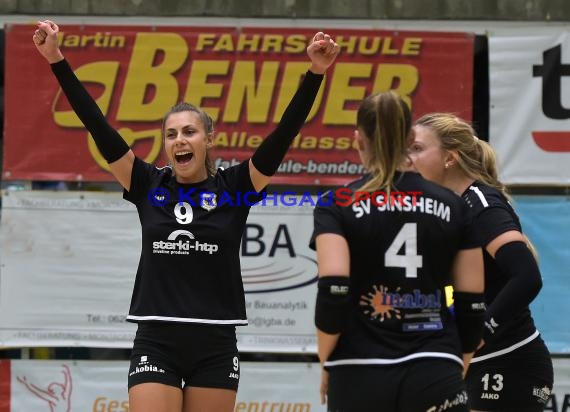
[243, 77]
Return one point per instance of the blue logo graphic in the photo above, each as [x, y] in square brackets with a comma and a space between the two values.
[158, 197]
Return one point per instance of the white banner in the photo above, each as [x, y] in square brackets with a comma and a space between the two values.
[101, 386]
[279, 273]
[68, 261]
[530, 105]
[560, 401]
[68, 386]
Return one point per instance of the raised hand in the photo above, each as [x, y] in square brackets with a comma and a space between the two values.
[45, 39]
[322, 51]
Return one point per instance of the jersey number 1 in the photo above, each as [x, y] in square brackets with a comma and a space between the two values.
[410, 260]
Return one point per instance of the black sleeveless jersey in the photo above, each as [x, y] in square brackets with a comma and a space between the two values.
[401, 253]
[493, 215]
[189, 269]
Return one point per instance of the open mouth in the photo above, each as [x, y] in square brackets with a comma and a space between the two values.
[183, 157]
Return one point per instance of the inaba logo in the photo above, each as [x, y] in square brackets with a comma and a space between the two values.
[551, 72]
[262, 273]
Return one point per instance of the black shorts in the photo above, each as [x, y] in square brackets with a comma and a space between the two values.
[426, 384]
[519, 381]
[185, 354]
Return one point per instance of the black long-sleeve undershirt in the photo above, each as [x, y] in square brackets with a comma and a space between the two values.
[271, 152]
[108, 140]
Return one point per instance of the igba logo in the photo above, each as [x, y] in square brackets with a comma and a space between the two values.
[262, 272]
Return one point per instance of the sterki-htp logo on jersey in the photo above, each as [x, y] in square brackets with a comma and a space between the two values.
[182, 242]
[551, 71]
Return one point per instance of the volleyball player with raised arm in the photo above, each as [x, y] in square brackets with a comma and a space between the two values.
[188, 295]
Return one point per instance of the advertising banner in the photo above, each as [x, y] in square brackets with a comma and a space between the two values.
[529, 105]
[243, 77]
[68, 261]
[101, 386]
[546, 221]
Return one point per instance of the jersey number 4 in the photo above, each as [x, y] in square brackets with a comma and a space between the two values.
[407, 238]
